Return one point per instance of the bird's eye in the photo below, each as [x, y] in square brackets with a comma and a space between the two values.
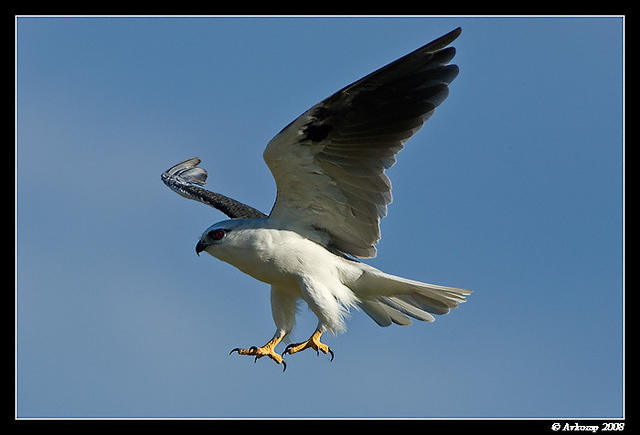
[216, 234]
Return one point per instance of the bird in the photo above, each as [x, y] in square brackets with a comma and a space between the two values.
[332, 191]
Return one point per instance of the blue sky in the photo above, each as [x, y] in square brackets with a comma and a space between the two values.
[513, 189]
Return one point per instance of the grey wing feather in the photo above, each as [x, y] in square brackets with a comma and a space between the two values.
[186, 179]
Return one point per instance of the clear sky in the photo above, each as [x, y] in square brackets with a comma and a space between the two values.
[513, 189]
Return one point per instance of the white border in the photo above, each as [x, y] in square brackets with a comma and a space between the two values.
[564, 419]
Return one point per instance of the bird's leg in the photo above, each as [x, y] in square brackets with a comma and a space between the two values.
[313, 342]
[266, 350]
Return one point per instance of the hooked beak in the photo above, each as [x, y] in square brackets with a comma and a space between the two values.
[199, 247]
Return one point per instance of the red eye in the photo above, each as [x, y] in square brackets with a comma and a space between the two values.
[216, 234]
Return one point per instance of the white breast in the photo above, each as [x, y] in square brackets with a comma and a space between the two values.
[274, 256]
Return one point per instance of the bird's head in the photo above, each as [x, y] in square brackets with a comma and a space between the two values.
[213, 237]
[246, 244]
[226, 238]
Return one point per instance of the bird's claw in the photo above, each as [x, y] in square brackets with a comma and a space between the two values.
[295, 348]
[259, 352]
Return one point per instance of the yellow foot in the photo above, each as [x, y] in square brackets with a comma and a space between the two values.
[313, 342]
[259, 352]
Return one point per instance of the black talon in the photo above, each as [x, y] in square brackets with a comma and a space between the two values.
[253, 348]
[235, 349]
[284, 364]
[331, 352]
[286, 349]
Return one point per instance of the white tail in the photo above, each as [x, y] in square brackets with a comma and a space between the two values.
[388, 298]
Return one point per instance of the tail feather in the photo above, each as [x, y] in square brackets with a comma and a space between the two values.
[407, 308]
[382, 314]
[388, 298]
[426, 303]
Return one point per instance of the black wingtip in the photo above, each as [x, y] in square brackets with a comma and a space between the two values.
[444, 40]
[455, 32]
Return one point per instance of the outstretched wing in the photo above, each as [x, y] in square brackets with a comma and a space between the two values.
[186, 179]
[329, 163]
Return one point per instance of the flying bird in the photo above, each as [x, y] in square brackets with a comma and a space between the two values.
[332, 191]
